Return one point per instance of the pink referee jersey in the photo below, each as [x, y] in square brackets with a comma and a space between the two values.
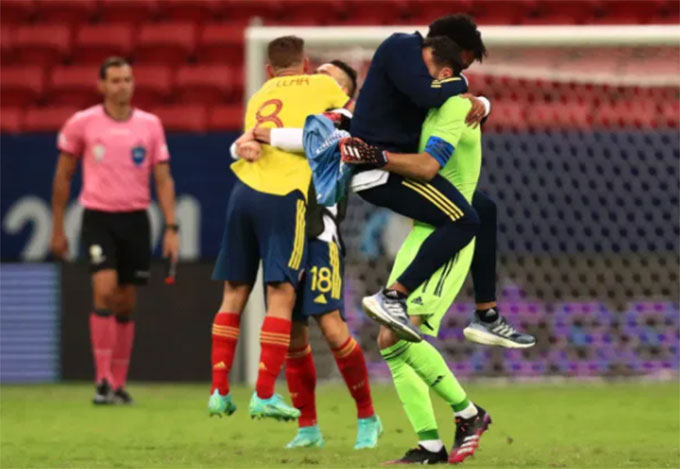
[117, 157]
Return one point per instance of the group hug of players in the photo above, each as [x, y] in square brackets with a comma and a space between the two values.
[412, 142]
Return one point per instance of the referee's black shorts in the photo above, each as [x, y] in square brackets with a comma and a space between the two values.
[120, 241]
[434, 202]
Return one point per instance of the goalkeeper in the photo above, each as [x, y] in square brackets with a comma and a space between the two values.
[396, 95]
[417, 367]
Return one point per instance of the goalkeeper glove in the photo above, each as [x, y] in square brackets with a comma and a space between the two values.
[355, 151]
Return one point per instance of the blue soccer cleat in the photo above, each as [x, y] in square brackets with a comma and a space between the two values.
[274, 408]
[389, 309]
[307, 437]
[219, 404]
[368, 432]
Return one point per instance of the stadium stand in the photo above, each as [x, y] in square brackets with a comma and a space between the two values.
[42, 44]
[176, 45]
[75, 86]
[220, 43]
[203, 84]
[66, 11]
[21, 85]
[182, 117]
[135, 12]
[46, 119]
[153, 85]
[96, 41]
[166, 43]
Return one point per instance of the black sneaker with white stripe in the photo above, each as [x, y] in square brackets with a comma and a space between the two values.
[388, 307]
[468, 433]
[420, 455]
[103, 394]
[498, 332]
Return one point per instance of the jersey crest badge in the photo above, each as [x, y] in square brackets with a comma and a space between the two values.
[138, 154]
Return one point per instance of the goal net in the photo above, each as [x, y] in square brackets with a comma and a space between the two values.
[581, 155]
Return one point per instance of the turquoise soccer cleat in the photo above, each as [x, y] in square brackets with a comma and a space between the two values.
[368, 432]
[218, 404]
[274, 408]
[307, 437]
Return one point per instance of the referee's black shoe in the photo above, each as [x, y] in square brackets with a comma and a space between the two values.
[420, 455]
[103, 394]
[388, 307]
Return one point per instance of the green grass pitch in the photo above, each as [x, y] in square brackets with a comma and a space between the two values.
[535, 425]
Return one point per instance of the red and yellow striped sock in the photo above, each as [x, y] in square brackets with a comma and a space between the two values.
[274, 341]
[301, 379]
[352, 365]
[225, 331]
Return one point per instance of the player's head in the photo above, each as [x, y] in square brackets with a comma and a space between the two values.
[342, 73]
[115, 80]
[442, 56]
[462, 29]
[286, 56]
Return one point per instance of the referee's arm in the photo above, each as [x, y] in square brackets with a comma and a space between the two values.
[165, 191]
[61, 188]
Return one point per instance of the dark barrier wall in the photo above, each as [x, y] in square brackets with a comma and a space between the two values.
[200, 164]
[172, 325]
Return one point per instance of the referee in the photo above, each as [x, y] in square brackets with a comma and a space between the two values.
[119, 146]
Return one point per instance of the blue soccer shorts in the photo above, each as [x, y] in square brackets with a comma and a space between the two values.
[265, 227]
[320, 291]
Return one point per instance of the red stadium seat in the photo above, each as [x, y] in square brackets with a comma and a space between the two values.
[372, 12]
[502, 12]
[190, 10]
[6, 48]
[73, 86]
[183, 118]
[203, 84]
[311, 12]
[21, 85]
[506, 115]
[128, 11]
[94, 43]
[153, 85]
[558, 115]
[238, 82]
[10, 119]
[625, 114]
[166, 43]
[669, 13]
[627, 11]
[16, 11]
[220, 43]
[670, 114]
[47, 119]
[66, 11]
[241, 11]
[425, 11]
[43, 44]
[226, 117]
[579, 12]
[549, 19]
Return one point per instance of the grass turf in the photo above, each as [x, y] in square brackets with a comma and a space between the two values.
[570, 425]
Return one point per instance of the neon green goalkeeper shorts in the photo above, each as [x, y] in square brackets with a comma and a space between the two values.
[433, 298]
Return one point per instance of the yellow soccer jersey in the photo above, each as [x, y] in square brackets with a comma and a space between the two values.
[285, 102]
